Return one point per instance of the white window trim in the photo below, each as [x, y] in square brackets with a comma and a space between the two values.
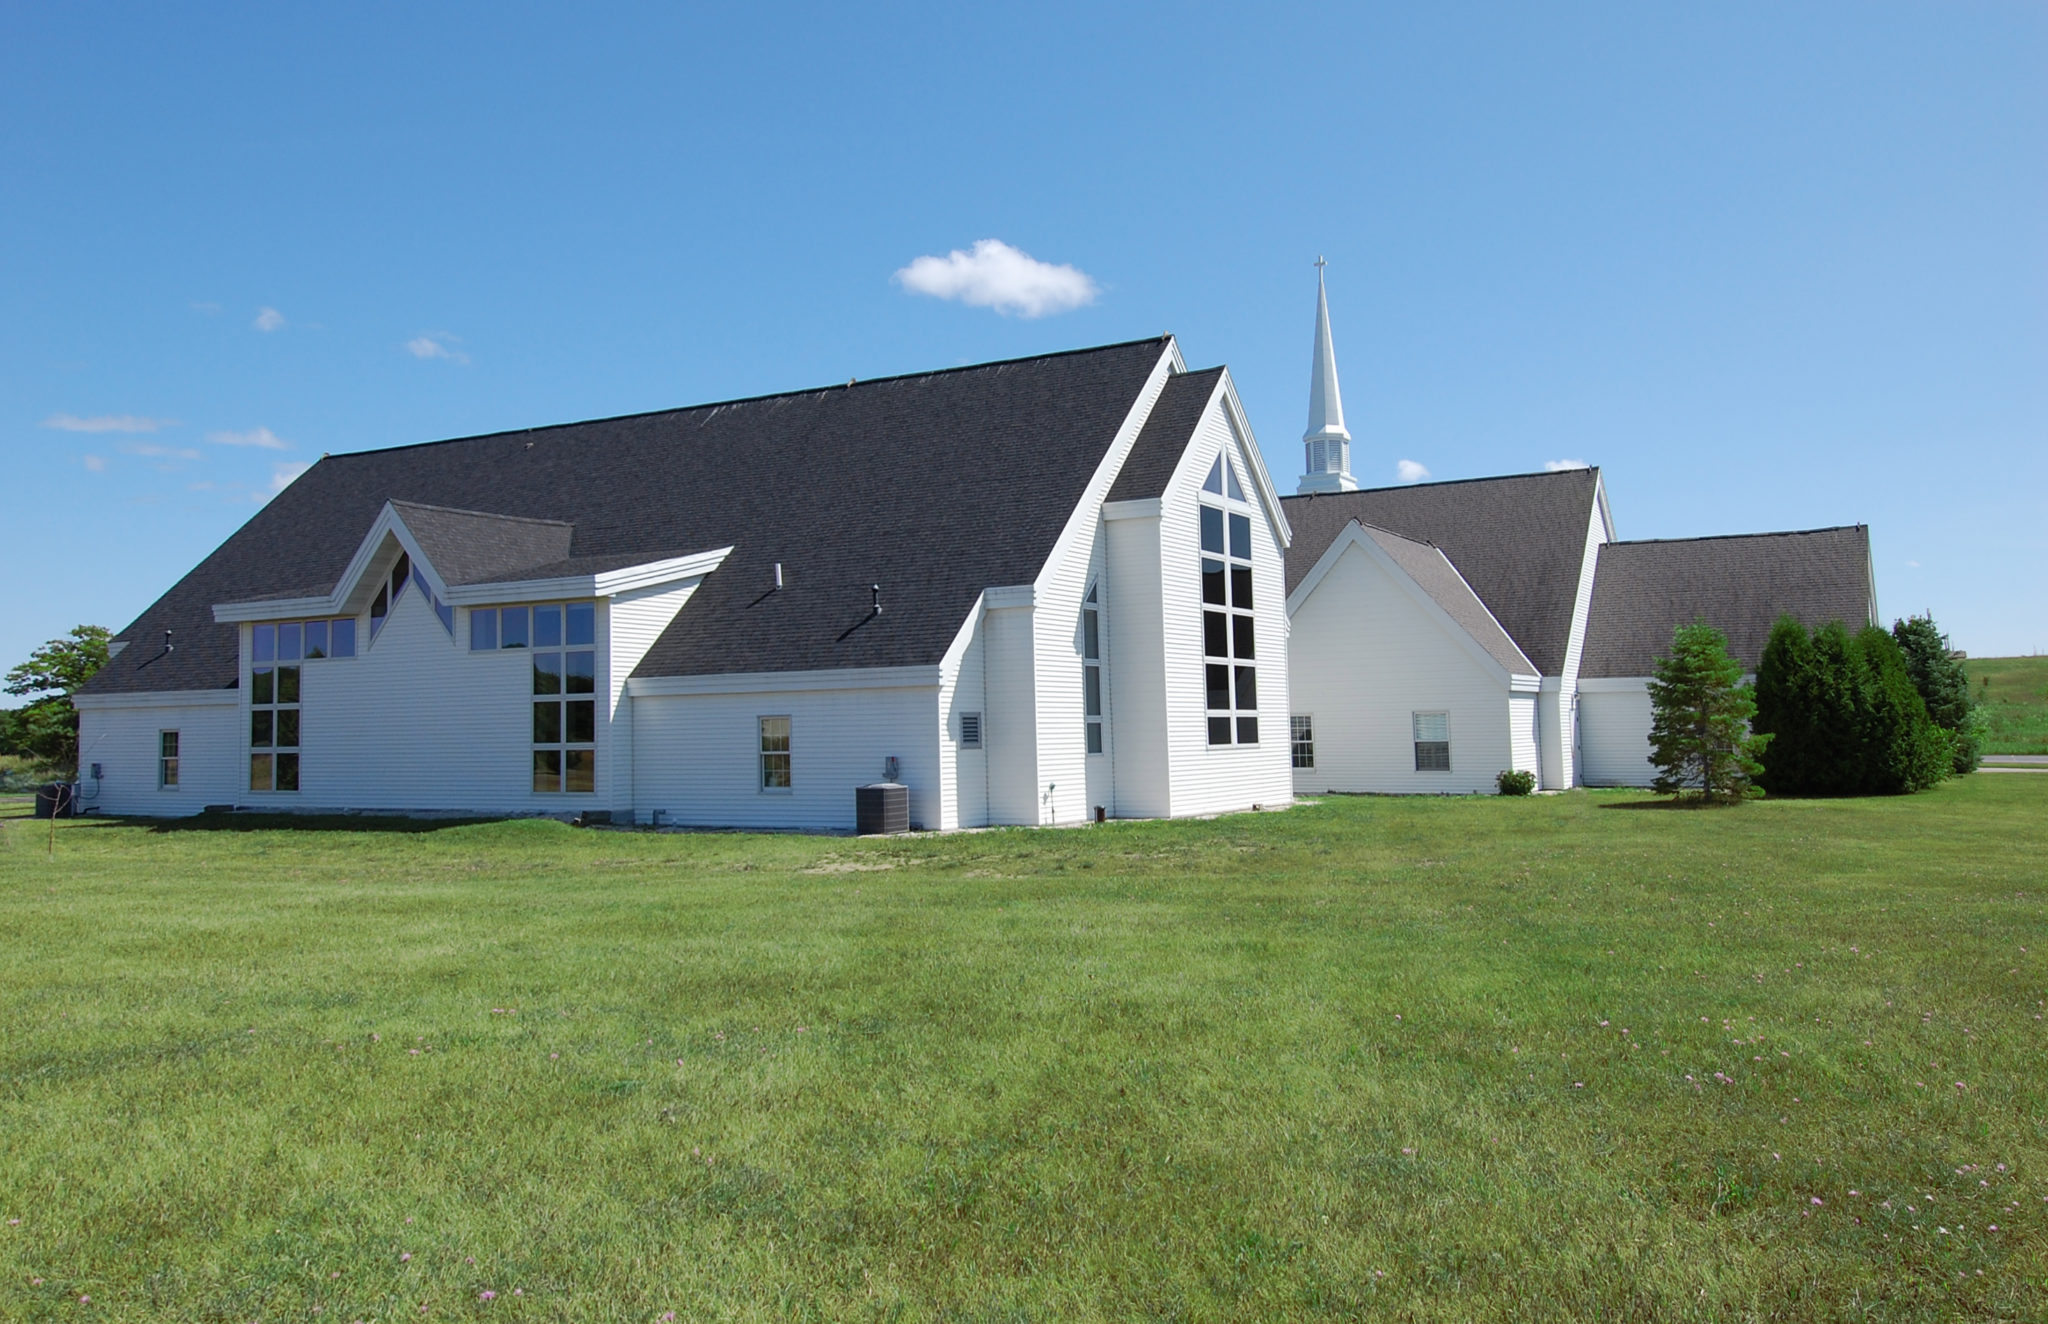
[163, 758]
[760, 768]
[1228, 505]
[1415, 738]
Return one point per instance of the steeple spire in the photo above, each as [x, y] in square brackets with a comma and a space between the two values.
[1327, 444]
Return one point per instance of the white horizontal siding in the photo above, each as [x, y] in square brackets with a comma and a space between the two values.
[1134, 621]
[1614, 734]
[1522, 732]
[697, 756]
[963, 772]
[123, 741]
[1365, 657]
[632, 622]
[1009, 728]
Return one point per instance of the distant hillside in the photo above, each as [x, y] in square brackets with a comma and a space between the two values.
[2014, 691]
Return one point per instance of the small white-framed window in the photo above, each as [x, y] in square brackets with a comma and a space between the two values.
[167, 760]
[1091, 668]
[970, 730]
[1301, 736]
[775, 752]
[1432, 742]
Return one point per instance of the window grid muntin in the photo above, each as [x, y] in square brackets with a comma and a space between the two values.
[274, 716]
[1301, 736]
[167, 760]
[1229, 619]
[520, 625]
[564, 716]
[776, 770]
[1432, 732]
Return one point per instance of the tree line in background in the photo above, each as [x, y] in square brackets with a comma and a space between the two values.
[45, 730]
[1831, 713]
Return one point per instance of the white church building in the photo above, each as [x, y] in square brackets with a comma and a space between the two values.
[1446, 632]
[1038, 591]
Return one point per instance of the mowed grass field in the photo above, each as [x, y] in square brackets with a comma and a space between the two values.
[2014, 691]
[1558, 1057]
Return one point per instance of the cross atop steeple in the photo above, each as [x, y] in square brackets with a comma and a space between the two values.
[1327, 444]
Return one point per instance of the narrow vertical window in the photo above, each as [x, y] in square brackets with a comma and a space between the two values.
[1432, 742]
[274, 709]
[167, 760]
[1301, 734]
[1091, 668]
[775, 770]
[564, 714]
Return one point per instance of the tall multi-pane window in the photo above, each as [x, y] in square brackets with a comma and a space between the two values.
[775, 754]
[1091, 668]
[1229, 629]
[564, 696]
[1301, 735]
[276, 652]
[167, 760]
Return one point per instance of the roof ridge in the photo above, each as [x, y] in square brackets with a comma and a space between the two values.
[486, 514]
[1729, 537]
[850, 384]
[1445, 482]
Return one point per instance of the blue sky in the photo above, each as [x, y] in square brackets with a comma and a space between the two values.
[1769, 266]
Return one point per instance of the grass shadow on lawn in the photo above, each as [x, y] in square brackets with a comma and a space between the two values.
[238, 822]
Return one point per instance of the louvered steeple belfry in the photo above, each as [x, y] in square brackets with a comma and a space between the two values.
[1327, 466]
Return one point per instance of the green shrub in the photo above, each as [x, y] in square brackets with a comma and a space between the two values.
[1843, 715]
[1513, 782]
[1700, 735]
[1944, 686]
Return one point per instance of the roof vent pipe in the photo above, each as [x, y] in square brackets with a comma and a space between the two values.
[878, 598]
[778, 574]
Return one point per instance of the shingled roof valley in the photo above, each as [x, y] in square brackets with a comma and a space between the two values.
[1519, 541]
[934, 486]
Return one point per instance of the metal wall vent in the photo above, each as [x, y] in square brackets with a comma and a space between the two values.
[970, 730]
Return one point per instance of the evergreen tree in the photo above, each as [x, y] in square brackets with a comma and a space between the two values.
[1699, 729]
[1904, 751]
[1838, 701]
[1944, 686]
[1785, 687]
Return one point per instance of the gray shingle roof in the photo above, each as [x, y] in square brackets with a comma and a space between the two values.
[1519, 541]
[1433, 572]
[1739, 584]
[1168, 428]
[474, 547]
[935, 486]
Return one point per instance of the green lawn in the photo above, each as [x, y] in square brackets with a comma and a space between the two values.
[2014, 691]
[1370, 1058]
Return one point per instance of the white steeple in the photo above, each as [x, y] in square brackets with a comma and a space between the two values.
[1328, 446]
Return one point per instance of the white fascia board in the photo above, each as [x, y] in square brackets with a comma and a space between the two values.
[1140, 508]
[1613, 684]
[160, 699]
[949, 665]
[1354, 536]
[1249, 444]
[768, 682]
[1081, 520]
[1600, 495]
[1452, 566]
[604, 584]
[335, 603]
[1010, 595]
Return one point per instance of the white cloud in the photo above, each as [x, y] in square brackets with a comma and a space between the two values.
[208, 307]
[995, 275]
[107, 423]
[262, 438]
[281, 477]
[156, 452]
[95, 464]
[268, 319]
[1408, 471]
[427, 347]
[1914, 564]
[1561, 466]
